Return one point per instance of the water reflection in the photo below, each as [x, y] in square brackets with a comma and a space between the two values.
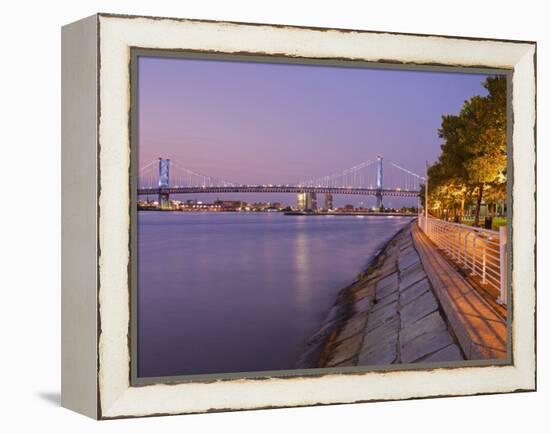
[302, 275]
[242, 292]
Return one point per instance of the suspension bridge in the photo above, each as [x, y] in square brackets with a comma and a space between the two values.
[164, 177]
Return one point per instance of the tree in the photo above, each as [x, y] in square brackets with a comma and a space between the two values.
[473, 155]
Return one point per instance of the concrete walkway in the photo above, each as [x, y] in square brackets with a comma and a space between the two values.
[480, 330]
[395, 315]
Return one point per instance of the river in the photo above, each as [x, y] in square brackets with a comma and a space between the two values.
[242, 292]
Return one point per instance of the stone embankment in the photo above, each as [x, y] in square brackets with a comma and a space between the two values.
[389, 315]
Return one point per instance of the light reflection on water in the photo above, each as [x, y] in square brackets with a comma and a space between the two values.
[234, 292]
[301, 276]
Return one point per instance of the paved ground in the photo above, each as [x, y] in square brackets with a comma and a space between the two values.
[479, 328]
[395, 316]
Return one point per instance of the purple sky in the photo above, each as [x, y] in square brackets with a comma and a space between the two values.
[260, 123]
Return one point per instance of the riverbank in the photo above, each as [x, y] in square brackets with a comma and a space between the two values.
[389, 315]
[350, 213]
[275, 291]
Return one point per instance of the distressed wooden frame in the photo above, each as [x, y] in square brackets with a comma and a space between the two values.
[96, 275]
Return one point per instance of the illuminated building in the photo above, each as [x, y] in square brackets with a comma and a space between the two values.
[301, 201]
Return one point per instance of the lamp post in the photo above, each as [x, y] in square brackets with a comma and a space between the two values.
[426, 201]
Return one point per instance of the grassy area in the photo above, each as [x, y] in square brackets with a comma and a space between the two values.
[497, 222]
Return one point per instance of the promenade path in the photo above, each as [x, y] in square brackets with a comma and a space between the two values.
[413, 306]
[479, 327]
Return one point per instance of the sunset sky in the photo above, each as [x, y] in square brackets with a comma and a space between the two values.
[260, 123]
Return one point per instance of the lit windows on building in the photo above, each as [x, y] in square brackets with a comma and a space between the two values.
[301, 201]
[312, 201]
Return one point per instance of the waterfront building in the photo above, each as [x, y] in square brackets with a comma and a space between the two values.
[301, 201]
[328, 201]
[311, 201]
[229, 205]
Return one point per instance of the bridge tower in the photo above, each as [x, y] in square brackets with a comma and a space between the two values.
[164, 183]
[379, 181]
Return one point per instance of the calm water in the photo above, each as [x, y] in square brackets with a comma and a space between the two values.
[235, 292]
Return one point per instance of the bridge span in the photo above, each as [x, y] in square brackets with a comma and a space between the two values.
[279, 189]
[167, 177]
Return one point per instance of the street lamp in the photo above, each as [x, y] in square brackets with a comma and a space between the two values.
[426, 200]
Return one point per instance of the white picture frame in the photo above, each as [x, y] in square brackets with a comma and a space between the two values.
[96, 307]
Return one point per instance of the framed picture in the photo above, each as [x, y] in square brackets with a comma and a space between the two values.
[261, 216]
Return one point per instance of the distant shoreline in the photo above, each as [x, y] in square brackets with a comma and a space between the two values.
[292, 213]
[358, 213]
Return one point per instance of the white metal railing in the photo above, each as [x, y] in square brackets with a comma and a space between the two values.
[482, 252]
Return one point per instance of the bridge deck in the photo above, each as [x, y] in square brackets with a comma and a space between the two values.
[280, 189]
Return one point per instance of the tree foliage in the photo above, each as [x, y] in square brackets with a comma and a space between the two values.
[472, 165]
